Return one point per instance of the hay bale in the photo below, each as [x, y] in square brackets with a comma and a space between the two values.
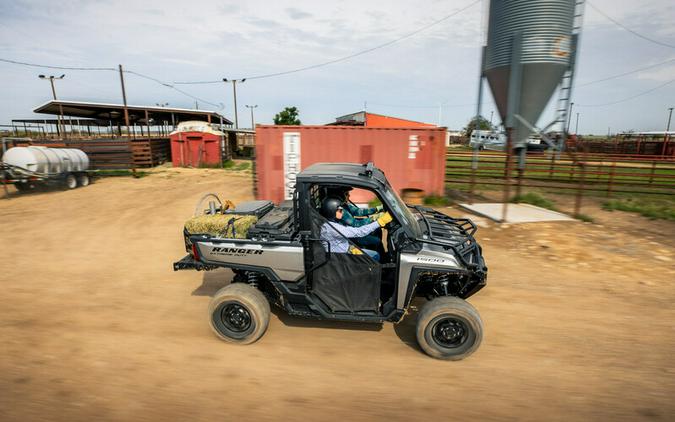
[221, 225]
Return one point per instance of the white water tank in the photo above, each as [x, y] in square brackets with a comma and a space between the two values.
[47, 160]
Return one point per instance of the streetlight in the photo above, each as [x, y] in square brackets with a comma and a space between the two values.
[491, 113]
[251, 107]
[234, 90]
[59, 128]
[576, 128]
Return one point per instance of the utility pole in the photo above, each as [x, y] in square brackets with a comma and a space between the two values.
[60, 127]
[576, 126]
[491, 113]
[234, 91]
[569, 118]
[124, 100]
[251, 107]
[440, 113]
[666, 137]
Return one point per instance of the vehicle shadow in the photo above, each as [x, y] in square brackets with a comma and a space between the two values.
[212, 281]
[406, 329]
[293, 321]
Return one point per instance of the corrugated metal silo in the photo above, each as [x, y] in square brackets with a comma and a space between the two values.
[534, 38]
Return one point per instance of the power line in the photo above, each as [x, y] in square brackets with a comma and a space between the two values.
[56, 67]
[168, 85]
[131, 72]
[637, 34]
[626, 99]
[444, 104]
[341, 59]
[626, 73]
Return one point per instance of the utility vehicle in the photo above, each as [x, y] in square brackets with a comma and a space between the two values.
[284, 262]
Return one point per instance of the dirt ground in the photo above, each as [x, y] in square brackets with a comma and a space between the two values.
[579, 323]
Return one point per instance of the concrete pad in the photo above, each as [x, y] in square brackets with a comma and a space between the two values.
[516, 213]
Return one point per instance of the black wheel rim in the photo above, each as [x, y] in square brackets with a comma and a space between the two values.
[450, 332]
[235, 318]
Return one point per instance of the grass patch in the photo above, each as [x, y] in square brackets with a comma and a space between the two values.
[585, 218]
[535, 199]
[374, 203]
[122, 173]
[654, 209]
[242, 166]
[236, 166]
[436, 201]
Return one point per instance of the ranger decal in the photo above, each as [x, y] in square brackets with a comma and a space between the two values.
[235, 251]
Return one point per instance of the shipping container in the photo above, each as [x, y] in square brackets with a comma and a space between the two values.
[412, 158]
[196, 144]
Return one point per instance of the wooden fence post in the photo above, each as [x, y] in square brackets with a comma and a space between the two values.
[580, 187]
[611, 179]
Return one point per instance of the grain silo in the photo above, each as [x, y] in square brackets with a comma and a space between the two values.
[530, 52]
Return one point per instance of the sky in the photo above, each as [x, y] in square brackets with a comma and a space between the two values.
[178, 41]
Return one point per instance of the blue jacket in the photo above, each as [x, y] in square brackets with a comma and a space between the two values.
[349, 211]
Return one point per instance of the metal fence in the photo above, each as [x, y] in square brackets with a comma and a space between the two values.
[578, 173]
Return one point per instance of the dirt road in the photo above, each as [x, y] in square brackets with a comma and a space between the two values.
[95, 325]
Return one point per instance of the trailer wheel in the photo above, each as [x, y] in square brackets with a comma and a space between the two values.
[83, 180]
[449, 328]
[71, 181]
[23, 187]
[239, 313]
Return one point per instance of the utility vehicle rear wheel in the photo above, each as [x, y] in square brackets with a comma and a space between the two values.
[83, 180]
[449, 328]
[71, 181]
[239, 313]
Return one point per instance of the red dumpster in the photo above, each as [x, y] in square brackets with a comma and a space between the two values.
[412, 158]
[195, 144]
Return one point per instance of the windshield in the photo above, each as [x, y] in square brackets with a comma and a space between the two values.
[401, 210]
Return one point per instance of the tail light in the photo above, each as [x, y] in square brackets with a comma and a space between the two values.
[195, 252]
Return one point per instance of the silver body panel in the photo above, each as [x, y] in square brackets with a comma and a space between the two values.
[432, 257]
[285, 261]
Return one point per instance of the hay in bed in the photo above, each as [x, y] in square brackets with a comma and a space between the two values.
[221, 225]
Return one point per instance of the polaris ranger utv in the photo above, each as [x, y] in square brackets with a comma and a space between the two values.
[282, 260]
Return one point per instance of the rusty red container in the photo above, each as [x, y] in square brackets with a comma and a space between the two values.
[191, 147]
[412, 158]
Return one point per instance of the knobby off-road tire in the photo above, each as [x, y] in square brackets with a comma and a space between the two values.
[449, 328]
[239, 313]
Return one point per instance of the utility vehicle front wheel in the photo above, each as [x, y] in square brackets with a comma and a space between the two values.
[449, 328]
[239, 313]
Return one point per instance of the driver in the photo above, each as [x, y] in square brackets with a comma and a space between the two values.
[350, 210]
[335, 233]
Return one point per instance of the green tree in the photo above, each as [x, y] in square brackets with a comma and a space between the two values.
[477, 123]
[287, 116]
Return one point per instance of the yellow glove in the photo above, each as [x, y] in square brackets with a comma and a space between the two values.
[374, 217]
[384, 219]
[355, 251]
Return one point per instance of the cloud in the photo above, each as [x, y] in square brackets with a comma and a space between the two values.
[297, 14]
